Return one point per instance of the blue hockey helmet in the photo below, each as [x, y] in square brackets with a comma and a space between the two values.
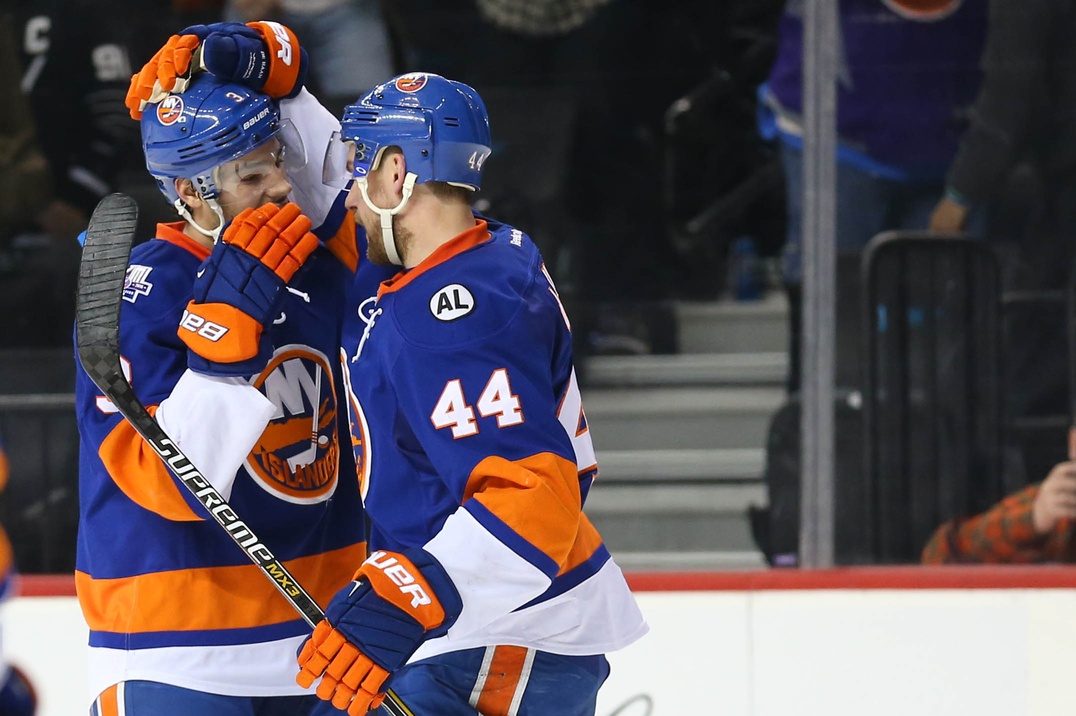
[188, 135]
[440, 124]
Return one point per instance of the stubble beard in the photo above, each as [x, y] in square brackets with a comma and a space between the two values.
[375, 243]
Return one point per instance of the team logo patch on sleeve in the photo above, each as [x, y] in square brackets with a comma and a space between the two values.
[452, 302]
[135, 282]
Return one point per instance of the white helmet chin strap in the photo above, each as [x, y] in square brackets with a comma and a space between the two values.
[386, 214]
[213, 234]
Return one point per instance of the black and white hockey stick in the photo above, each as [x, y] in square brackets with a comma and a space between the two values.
[100, 292]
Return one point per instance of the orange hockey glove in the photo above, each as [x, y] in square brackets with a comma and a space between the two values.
[264, 56]
[158, 76]
[373, 626]
[238, 287]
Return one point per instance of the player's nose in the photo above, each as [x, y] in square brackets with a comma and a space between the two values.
[279, 189]
[353, 198]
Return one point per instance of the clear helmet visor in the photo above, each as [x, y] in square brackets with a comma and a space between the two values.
[339, 162]
[347, 159]
[260, 175]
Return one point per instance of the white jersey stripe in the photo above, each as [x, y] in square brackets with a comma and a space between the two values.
[521, 685]
[483, 674]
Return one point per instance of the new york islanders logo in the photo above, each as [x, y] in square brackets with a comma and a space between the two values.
[297, 458]
[924, 10]
[360, 431]
[170, 110]
[411, 83]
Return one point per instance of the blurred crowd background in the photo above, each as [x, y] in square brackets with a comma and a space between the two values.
[655, 152]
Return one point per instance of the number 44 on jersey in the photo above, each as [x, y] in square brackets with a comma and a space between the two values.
[496, 399]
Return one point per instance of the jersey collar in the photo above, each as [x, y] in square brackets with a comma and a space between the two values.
[453, 247]
[173, 233]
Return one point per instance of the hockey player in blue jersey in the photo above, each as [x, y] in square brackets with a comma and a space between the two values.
[488, 590]
[236, 351]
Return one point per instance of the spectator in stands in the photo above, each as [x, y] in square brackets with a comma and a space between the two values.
[907, 70]
[1026, 113]
[191, 12]
[347, 40]
[615, 68]
[1036, 524]
[73, 74]
[76, 70]
[25, 180]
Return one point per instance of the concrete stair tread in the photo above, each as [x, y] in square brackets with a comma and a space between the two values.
[767, 368]
[681, 400]
[700, 417]
[773, 304]
[733, 327]
[680, 439]
[684, 465]
[709, 499]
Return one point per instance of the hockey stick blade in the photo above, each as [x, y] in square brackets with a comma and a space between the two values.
[103, 267]
[97, 310]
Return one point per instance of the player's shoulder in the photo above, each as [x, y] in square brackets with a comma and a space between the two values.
[473, 294]
[507, 260]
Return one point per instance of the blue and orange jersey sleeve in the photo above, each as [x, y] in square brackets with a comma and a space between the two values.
[153, 358]
[333, 224]
[344, 239]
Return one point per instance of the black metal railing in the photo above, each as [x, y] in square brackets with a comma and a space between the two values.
[932, 387]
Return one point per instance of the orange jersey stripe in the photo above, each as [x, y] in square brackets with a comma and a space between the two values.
[587, 542]
[108, 701]
[141, 474]
[543, 484]
[5, 470]
[7, 554]
[213, 598]
[172, 232]
[457, 245]
[502, 681]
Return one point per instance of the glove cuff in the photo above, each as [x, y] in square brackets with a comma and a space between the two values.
[242, 369]
[220, 333]
[287, 60]
[417, 584]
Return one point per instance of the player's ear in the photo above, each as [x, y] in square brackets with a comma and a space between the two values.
[187, 192]
[397, 167]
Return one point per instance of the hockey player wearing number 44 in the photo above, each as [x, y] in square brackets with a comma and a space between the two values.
[230, 328]
[488, 590]
[488, 581]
